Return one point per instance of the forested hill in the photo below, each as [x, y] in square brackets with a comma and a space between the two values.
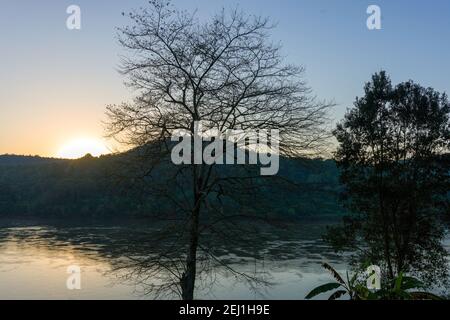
[89, 187]
[14, 160]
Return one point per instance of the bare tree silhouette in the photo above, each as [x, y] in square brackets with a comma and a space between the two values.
[228, 74]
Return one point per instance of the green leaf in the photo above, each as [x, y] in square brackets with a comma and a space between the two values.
[398, 282]
[334, 273]
[322, 289]
[353, 279]
[337, 295]
[361, 291]
[411, 283]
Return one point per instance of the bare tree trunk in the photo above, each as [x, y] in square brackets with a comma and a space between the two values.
[385, 221]
[188, 279]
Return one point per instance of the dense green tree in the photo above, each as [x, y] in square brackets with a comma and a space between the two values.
[392, 145]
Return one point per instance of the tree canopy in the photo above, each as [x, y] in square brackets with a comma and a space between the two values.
[393, 161]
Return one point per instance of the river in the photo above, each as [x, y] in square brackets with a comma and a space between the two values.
[35, 256]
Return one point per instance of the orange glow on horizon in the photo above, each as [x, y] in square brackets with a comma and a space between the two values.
[80, 147]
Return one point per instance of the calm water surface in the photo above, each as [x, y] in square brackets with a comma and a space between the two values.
[34, 257]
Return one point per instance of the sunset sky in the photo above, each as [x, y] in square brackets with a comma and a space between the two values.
[55, 83]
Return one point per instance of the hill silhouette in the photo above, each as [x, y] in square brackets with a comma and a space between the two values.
[93, 187]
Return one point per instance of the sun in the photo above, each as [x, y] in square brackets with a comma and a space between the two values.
[78, 148]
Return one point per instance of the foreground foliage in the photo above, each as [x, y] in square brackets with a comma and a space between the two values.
[400, 288]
